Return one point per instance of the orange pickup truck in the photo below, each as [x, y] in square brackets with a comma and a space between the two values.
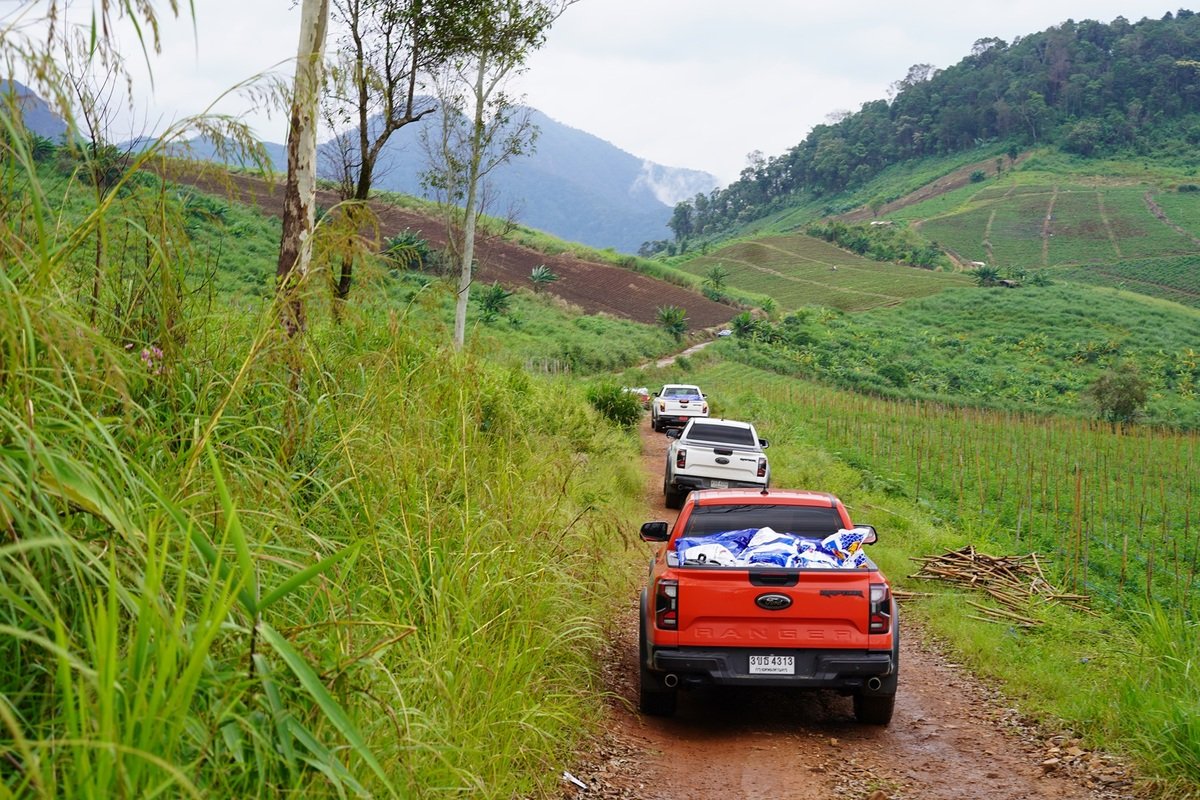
[767, 588]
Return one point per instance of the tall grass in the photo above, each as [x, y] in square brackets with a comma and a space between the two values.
[388, 583]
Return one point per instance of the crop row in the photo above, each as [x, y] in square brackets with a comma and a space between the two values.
[799, 270]
[1032, 226]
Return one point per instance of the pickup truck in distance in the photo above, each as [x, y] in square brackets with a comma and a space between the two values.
[767, 588]
[714, 454]
[675, 404]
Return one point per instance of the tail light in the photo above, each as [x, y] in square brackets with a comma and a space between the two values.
[762, 467]
[662, 406]
[881, 608]
[666, 604]
[681, 458]
[704, 408]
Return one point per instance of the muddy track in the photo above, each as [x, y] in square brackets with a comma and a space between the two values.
[952, 736]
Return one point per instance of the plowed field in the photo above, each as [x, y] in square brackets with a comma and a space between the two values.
[594, 287]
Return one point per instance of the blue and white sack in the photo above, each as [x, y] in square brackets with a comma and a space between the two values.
[846, 546]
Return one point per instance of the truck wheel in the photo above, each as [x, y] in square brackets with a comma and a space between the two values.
[672, 498]
[874, 709]
[653, 698]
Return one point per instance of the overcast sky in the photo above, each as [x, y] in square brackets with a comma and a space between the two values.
[685, 83]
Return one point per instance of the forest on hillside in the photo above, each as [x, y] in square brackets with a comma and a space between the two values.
[1089, 87]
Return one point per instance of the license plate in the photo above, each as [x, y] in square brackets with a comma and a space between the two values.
[772, 665]
[719, 484]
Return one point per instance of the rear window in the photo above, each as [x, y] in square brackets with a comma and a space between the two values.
[721, 434]
[807, 521]
[681, 391]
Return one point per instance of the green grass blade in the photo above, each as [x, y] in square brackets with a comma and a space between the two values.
[333, 711]
[304, 576]
[233, 527]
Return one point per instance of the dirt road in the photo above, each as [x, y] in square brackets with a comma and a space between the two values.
[951, 737]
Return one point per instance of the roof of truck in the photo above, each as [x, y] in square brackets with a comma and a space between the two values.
[799, 497]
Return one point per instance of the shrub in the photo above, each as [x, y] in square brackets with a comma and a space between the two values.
[1119, 394]
[673, 320]
[494, 301]
[408, 250]
[977, 176]
[541, 276]
[615, 404]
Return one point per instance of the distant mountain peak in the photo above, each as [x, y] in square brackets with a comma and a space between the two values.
[38, 116]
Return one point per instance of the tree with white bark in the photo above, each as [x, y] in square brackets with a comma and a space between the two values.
[375, 86]
[300, 193]
[482, 125]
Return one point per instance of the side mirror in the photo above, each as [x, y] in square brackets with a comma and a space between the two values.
[674, 433]
[703, 396]
[655, 532]
[764, 444]
[654, 395]
[872, 537]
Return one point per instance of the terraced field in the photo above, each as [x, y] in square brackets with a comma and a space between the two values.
[800, 271]
[1175, 278]
[1039, 225]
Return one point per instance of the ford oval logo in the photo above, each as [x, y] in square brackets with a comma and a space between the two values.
[773, 602]
[722, 460]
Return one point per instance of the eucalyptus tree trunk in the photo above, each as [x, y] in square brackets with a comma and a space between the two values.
[472, 202]
[299, 199]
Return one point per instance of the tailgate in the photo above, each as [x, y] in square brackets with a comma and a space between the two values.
[684, 405]
[721, 607]
[723, 463]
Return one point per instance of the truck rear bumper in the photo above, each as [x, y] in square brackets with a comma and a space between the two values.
[677, 420]
[814, 669]
[691, 483]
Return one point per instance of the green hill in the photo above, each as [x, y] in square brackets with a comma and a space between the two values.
[801, 270]
[1092, 88]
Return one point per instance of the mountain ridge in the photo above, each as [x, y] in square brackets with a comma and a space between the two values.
[574, 185]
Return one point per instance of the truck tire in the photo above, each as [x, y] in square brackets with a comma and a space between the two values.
[874, 709]
[671, 497]
[654, 699]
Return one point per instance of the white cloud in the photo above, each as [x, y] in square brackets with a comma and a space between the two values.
[688, 83]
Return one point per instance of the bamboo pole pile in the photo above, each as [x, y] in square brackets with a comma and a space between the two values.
[1016, 583]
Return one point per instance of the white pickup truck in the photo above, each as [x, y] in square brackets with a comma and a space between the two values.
[676, 403]
[714, 454]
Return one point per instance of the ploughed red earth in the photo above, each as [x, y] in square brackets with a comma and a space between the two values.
[594, 287]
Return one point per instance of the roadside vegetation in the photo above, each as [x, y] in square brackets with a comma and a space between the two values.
[382, 573]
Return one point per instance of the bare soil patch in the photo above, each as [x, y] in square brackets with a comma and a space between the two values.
[594, 287]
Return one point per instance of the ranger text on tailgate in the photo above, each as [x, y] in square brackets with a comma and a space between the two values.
[767, 588]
